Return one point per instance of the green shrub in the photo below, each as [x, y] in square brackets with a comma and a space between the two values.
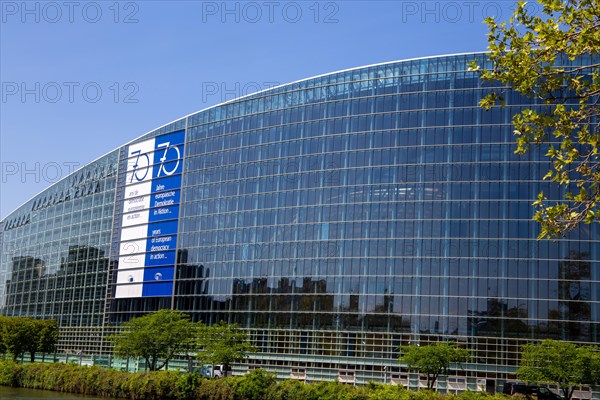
[424, 394]
[288, 390]
[187, 386]
[10, 373]
[216, 389]
[153, 385]
[327, 391]
[387, 392]
[100, 381]
[253, 386]
[468, 395]
[166, 385]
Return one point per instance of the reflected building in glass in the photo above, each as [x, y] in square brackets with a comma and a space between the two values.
[336, 218]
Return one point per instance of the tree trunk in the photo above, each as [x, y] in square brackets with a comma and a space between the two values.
[433, 379]
[32, 356]
[567, 392]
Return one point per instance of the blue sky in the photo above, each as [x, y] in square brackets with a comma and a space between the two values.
[80, 78]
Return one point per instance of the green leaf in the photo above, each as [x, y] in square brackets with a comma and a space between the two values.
[525, 54]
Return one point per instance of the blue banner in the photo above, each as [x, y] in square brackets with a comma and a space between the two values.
[162, 243]
[164, 213]
[169, 183]
[159, 274]
[154, 289]
[162, 228]
[151, 205]
[168, 155]
[160, 258]
[164, 199]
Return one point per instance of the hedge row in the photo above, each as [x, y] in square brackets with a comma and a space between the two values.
[259, 385]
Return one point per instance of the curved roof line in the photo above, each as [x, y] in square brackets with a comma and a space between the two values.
[340, 71]
[293, 82]
[238, 99]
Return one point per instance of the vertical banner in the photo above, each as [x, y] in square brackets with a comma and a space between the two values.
[148, 244]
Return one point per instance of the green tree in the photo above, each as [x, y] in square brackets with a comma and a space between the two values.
[433, 360]
[157, 336]
[561, 363]
[26, 335]
[223, 343]
[47, 335]
[527, 54]
[42, 336]
[18, 335]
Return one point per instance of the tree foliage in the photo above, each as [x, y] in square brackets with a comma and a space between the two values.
[223, 344]
[16, 335]
[20, 335]
[528, 54]
[433, 360]
[561, 363]
[46, 336]
[157, 336]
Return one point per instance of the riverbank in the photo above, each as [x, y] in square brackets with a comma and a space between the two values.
[165, 385]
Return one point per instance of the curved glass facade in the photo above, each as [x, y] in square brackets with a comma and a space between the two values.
[336, 218]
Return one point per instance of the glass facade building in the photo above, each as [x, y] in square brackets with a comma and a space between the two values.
[336, 218]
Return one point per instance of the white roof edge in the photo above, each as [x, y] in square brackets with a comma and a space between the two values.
[235, 100]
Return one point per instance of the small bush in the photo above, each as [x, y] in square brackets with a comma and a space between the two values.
[387, 392]
[187, 386]
[288, 390]
[10, 373]
[254, 386]
[424, 394]
[99, 381]
[328, 391]
[216, 389]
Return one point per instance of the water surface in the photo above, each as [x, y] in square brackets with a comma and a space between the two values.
[28, 394]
